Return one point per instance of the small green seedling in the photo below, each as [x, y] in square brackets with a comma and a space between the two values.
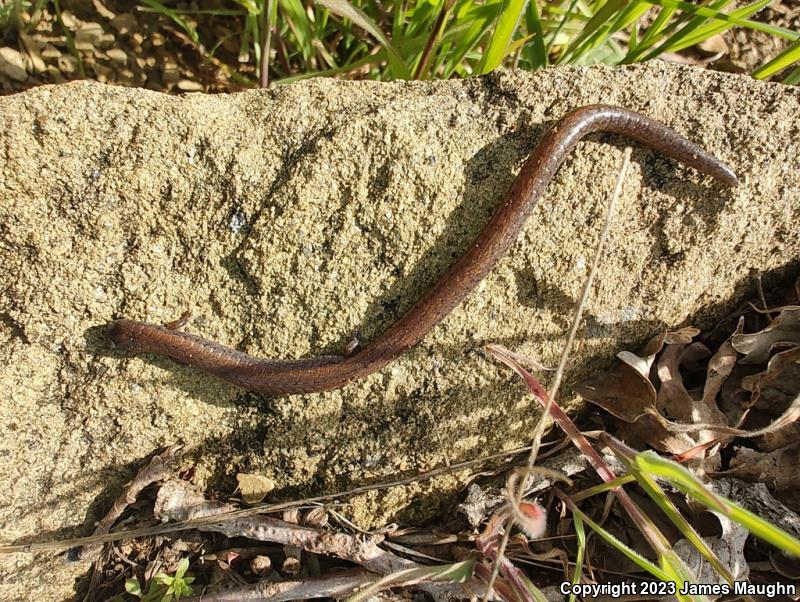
[163, 588]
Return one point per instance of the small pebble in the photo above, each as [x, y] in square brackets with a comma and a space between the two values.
[69, 21]
[87, 36]
[50, 52]
[261, 566]
[188, 85]
[125, 23]
[12, 64]
[118, 55]
[67, 64]
[32, 47]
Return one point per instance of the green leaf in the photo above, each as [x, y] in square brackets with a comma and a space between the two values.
[690, 485]
[163, 578]
[132, 587]
[507, 21]
[780, 62]
[581, 535]
[182, 567]
[360, 18]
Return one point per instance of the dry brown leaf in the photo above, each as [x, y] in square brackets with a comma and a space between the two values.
[714, 45]
[625, 391]
[788, 435]
[775, 388]
[679, 405]
[622, 392]
[655, 431]
[756, 347]
[254, 487]
[728, 547]
[672, 396]
[719, 369]
[778, 469]
[756, 498]
[682, 336]
[666, 418]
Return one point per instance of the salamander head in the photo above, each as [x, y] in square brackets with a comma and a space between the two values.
[121, 334]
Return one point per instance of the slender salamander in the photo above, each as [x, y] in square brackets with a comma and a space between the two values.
[277, 377]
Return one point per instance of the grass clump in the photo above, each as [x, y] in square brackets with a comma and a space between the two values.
[439, 39]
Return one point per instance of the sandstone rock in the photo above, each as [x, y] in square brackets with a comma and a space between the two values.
[348, 200]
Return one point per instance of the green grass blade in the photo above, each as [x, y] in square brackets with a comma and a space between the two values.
[689, 484]
[580, 533]
[478, 20]
[70, 40]
[602, 488]
[535, 53]
[360, 18]
[737, 17]
[602, 36]
[658, 24]
[297, 19]
[661, 26]
[180, 21]
[250, 6]
[596, 26]
[718, 23]
[667, 27]
[705, 24]
[507, 21]
[780, 62]
[398, 20]
[679, 574]
[372, 59]
[630, 553]
[793, 78]
[562, 23]
[657, 494]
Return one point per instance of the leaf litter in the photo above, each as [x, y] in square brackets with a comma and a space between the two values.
[728, 414]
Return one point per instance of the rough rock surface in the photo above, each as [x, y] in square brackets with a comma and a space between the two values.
[286, 219]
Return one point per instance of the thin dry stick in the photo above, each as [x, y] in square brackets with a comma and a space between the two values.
[587, 286]
[761, 296]
[335, 585]
[60, 544]
[160, 468]
[539, 431]
[179, 500]
[436, 33]
[266, 47]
